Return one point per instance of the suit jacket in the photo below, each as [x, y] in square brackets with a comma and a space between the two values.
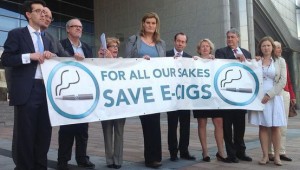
[134, 45]
[171, 53]
[280, 77]
[58, 49]
[227, 53]
[66, 43]
[19, 42]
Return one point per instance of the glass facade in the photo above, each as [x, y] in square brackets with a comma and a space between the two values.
[62, 10]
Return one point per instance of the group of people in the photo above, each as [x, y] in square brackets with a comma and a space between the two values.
[27, 48]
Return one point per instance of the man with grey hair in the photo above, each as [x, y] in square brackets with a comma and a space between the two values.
[80, 50]
[234, 120]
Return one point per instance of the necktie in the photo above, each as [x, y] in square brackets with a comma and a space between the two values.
[39, 42]
[178, 55]
[235, 51]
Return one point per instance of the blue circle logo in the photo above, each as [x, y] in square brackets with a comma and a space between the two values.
[83, 112]
[225, 84]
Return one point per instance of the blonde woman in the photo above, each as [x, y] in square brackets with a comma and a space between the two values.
[113, 130]
[145, 45]
[205, 49]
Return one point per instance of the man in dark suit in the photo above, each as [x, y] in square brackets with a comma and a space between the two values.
[235, 145]
[183, 116]
[24, 50]
[67, 133]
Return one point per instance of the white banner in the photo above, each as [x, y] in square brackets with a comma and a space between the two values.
[100, 89]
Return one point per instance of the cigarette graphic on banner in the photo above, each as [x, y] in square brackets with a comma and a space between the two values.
[78, 97]
[241, 90]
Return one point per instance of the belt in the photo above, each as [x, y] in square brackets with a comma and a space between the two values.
[39, 81]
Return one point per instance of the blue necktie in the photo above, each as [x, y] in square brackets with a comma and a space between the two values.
[39, 42]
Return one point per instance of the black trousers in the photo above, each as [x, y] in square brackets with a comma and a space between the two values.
[152, 137]
[32, 131]
[67, 134]
[234, 131]
[183, 117]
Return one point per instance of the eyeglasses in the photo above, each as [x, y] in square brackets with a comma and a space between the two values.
[38, 11]
[76, 26]
[112, 46]
[50, 18]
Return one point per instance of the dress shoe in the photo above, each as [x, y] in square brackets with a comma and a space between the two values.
[220, 158]
[154, 164]
[263, 161]
[244, 157]
[87, 164]
[174, 158]
[206, 159]
[117, 166]
[277, 162]
[285, 158]
[187, 156]
[232, 160]
[62, 166]
[110, 166]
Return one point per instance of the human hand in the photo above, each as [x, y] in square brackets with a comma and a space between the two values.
[241, 57]
[37, 57]
[257, 58]
[147, 57]
[265, 99]
[293, 101]
[78, 56]
[48, 54]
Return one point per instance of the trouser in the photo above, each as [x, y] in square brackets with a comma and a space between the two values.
[113, 139]
[183, 117]
[283, 129]
[234, 131]
[152, 137]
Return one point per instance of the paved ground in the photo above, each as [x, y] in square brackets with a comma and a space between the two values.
[133, 146]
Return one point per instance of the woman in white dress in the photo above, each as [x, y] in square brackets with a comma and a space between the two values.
[273, 115]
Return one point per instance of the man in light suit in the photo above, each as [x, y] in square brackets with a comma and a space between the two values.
[183, 116]
[234, 119]
[24, 50]
[80, 50]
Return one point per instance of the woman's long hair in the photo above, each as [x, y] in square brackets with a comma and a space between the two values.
[270, 39]
[156, 35]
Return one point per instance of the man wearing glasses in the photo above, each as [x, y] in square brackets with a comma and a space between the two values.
[58, 49]
[24, 51]
[80, 50]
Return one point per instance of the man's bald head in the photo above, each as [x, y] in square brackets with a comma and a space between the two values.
[48, 18]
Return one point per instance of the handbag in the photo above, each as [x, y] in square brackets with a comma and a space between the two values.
[292, 112]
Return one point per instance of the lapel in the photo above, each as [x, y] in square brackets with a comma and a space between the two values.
[27, 39]
[229, 53]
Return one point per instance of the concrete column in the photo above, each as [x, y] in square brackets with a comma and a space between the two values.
[251, 36]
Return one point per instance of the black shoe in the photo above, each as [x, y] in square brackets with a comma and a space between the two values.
[220, 158]
[187, 156]
[154, 164]
[206, 159]
[285, 158]
[117, 166]
[62, 166]
[271, 158]
[174, 158]
[232, 160]
[110, 166]
[87, 164]
[244, 157]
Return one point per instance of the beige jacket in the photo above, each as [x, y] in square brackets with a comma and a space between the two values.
[280, 77]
